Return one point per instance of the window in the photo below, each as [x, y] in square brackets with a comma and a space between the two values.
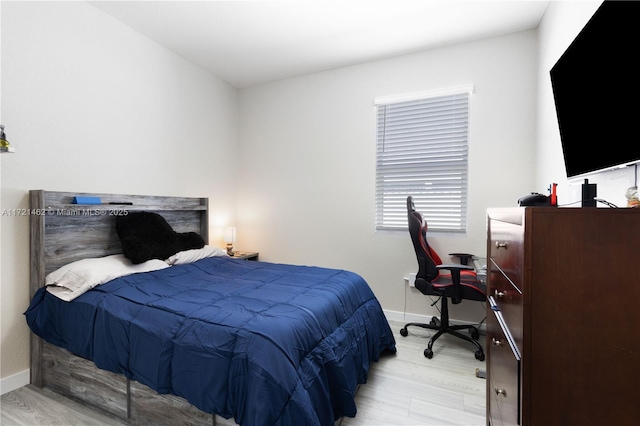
[422, 145]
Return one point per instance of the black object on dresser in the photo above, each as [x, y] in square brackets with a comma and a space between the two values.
[563, 322]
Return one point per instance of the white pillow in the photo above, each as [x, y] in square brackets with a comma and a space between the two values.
[74, 279]
[188, 256]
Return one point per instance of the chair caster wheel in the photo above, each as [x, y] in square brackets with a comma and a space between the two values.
[480, 355]
[404, 332]
[428, 353]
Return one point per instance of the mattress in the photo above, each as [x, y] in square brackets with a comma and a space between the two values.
[264, 343]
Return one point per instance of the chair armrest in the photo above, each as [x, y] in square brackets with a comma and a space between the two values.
[464, 257]
[455, 266]
[455, 270]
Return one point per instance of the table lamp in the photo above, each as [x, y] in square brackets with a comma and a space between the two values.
[229, 238]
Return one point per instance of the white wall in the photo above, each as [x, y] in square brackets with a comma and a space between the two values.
[91, 106]
[306, 181]
[562, 23]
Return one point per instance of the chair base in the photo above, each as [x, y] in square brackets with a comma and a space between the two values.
[442, 326]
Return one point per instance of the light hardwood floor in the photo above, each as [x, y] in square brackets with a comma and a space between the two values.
[409, 389]
[402, 389]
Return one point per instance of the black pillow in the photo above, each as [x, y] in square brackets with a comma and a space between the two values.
[145, 236]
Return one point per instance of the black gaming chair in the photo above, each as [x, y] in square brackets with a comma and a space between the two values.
[461, 284]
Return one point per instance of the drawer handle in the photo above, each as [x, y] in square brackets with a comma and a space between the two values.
[499, 294]
[500, 245]
[496, 342]
[500, 392]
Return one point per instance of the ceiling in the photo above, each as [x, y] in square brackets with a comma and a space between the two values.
[252, 42]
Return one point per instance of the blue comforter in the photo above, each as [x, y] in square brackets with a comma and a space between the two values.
[267, 344]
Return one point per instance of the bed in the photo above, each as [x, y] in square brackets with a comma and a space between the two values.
[203, 340]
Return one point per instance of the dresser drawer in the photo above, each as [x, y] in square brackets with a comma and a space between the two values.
[493, 416]
[506, 249]
[503, 388]
[508, 300]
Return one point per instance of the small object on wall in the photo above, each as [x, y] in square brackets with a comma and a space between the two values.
[4, 143]
[411, 279]
[632, 197]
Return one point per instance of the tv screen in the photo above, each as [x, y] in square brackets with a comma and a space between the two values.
[596, 88]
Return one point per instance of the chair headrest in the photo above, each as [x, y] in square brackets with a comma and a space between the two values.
[427, 258]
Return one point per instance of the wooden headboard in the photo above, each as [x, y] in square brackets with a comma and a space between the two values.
[62, 232]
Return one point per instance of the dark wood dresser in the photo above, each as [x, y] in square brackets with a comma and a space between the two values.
[563, 320]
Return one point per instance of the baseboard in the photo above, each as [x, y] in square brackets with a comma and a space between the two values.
[16, 381]
[393, 315]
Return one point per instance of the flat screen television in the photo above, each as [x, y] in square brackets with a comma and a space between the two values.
[596, 88]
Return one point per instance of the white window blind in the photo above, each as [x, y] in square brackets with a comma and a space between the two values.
[422, 147]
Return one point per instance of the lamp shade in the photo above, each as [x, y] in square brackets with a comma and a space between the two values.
[229, 235]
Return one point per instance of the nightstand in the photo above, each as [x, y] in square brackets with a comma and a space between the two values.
[247, 255]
